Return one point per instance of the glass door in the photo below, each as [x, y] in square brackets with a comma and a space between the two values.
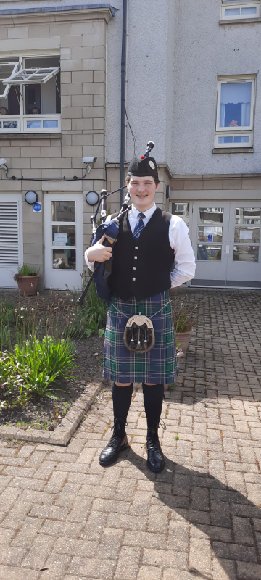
[244, 258]
[226, 242]
[63, 241]
[209, 233]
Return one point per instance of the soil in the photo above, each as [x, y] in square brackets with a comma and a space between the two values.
[55, 308]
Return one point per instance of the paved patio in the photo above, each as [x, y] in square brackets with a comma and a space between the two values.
[63, 516]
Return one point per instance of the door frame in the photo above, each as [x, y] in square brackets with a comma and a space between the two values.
[63, 279]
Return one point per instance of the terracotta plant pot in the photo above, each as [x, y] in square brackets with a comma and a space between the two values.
[27, 285]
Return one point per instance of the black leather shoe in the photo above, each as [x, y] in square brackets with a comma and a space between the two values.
[111, 452]
[155, 461]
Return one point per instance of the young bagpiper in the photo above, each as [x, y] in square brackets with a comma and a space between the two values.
[152, 254]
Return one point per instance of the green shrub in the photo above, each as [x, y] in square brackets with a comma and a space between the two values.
[27, 270]
[88, 319]
[32, 368]
[7, 320]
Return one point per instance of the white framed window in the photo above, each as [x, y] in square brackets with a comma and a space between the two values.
[235, 111]
[239, 10]
[30, 94]
[181, 209]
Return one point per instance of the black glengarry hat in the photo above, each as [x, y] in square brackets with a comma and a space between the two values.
[144, 166]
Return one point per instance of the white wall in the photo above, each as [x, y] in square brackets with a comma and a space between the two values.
[146, 78]
[203, 50]
[176, 49]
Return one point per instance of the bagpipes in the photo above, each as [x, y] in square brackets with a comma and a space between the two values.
[110, 230]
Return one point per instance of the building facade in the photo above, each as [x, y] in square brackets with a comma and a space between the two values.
[216, 137]
[192, 85]
[52, 123]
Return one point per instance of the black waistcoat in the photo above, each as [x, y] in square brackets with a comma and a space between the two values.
[141, 268]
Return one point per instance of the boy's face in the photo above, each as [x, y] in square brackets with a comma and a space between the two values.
[142, 191]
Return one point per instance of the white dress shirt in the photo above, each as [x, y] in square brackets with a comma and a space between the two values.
[184, 263]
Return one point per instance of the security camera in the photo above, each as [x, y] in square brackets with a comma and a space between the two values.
[3, 165]
[89, 160]
[89, 163]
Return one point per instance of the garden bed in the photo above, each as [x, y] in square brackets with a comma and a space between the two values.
[53, 311]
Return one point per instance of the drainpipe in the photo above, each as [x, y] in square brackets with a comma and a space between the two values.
[123, 80]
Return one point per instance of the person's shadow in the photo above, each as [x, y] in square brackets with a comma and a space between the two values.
[221, 516]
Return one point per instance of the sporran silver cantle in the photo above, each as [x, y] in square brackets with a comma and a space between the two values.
[139, 334]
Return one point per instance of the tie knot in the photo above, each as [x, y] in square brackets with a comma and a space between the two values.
[141, 216]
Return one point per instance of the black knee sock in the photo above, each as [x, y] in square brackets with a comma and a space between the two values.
[153, 397]
[121, 399]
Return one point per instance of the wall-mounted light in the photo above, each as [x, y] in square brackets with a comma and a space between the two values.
[92, 197]
[31, 197]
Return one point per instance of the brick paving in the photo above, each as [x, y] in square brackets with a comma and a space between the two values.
[63, 516]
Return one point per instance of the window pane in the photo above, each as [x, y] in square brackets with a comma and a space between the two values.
[63, 235]
[245, 253]
[63, 211]
[248, 215]
[205, 252]
[249, 11]
[46, 96]
[181, 209]
[32, 99]
[13, 101]
[33, 124]
[232, 12]
[210, 234]
[211, 215]
[9, 124]
[64, 259]
[235, 104]
[246, 234]
[234, 139]
[50, 124]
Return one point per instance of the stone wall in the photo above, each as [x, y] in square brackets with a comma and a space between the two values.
[80, 40]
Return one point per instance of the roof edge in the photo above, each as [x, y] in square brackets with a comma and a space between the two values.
[57, 9]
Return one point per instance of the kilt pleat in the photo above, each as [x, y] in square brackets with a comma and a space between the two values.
[159, 365]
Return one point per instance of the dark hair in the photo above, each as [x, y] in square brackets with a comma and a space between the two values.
[128, 178]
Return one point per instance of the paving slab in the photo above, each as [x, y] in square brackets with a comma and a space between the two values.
[64, 516]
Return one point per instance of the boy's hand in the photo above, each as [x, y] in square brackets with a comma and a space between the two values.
[98, 252]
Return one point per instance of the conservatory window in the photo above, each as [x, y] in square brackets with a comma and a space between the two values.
[30, 95]
[235, 109]
[234, 9]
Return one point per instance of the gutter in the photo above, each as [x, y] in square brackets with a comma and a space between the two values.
[123, 81]
[57, 9]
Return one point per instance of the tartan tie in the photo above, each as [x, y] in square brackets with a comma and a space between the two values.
[139, 226]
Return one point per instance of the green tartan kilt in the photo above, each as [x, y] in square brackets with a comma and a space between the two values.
[159, 365]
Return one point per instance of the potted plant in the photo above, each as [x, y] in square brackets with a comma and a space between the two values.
[27, 279]
[183, 317]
